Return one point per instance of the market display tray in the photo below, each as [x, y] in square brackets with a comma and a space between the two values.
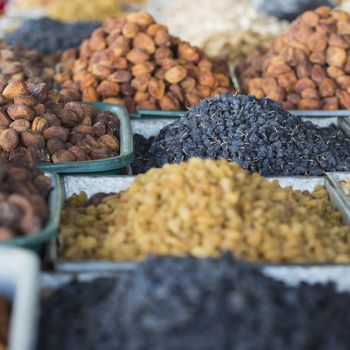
[19, 283]
[92, 185]
[36, 241]
[125, 157]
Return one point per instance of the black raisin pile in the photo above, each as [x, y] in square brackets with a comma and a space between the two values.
[49, 36]
[188, 304]
[257, 133]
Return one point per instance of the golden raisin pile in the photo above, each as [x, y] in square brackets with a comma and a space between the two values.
[136, 62]
[308, 67]
[204, 207]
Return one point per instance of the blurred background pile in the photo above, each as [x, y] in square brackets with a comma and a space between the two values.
[225, 29]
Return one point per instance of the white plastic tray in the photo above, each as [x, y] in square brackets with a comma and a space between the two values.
[19, 283]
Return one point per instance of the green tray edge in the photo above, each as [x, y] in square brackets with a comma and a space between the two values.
[126, 147]
[36, 241]
[156, 114]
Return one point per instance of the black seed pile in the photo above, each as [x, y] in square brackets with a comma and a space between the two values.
[49, 36]
[195, 304]
[257, 133]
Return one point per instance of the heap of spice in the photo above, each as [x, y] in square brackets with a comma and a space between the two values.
[24, 191]
[204, 207]
[308, 67]
[33, 34]
[186, 304]
[4, 323]
[135, 61]
[32, 121]
[257, 133]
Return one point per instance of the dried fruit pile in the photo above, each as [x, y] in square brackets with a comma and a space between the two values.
[308, 67]
[33, 122]
[34, 33]
[202, 208]
[24, 191]
[4, 323]
[186, 304]
[82, 10]
[134, 61]
[223, 33]
[257, 133]
[19, 63]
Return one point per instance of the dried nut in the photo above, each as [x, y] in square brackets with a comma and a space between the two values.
[39, 109]
[156, 88]
[78, 152]
[25, 100]
[110, 142]
[57, 132]
[141, 18]
[43, 184]
[108, 88]
[154, 28]
[39, 206]
[162, 53]
[9, 140]
[144, 42]
[175, 74]
[100, 153]
[309, 104]
[39, 124]
[130, 30]
[148, 104]
[137, 56]
[126, 89]
[53, 145]
[169, 103]
[15, 89]
[309, 93]
[189, 53]
[327, 88]
[20, 125]
[206, 78]
[90, 94]
[318, 74]
[121, 76]
[63, 156]
[83, 129]
[141, 96]
[343, 82]
[20, 112]
[52, 119]
[343, 98]
[336, 56]
[32, 139]
[335, 72]
[140, 83]
[330, 103]
[303, 84]
[163, 39]
[73, 114]
[5, 121]
[98, 129]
